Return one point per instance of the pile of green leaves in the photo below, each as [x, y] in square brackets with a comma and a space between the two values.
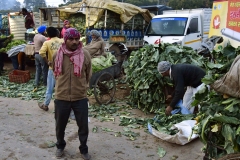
[6, 42]
[163, 123]
[102, 62]
[110, 112]
[11, 44]
[147, 85]
[78, 21]
[25, 91]
[218, 118]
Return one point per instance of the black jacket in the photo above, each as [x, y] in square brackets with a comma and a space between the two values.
[185, 75]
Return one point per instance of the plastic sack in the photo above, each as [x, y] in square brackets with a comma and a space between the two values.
[230, 83]
[183, 135]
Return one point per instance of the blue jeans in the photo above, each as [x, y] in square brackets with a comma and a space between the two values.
[14, 60]
[41, 68]
[50, 87]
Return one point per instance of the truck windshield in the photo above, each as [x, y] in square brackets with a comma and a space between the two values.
[171, 26]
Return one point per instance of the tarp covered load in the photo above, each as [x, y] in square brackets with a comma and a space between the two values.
[95, 9]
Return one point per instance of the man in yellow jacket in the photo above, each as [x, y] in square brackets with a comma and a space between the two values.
[47, 50]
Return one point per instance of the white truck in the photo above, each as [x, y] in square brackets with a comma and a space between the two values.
[188, 27]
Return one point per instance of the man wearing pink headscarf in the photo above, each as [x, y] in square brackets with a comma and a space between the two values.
[66, 25]
[72, 70]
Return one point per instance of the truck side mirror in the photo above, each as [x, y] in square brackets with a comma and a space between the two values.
[188, 31]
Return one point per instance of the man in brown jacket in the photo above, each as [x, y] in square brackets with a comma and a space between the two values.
[72, 70]
[96, 47]
[28, 19]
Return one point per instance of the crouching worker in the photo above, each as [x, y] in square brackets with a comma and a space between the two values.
[73, 70]
[183, 75]
[96, 47]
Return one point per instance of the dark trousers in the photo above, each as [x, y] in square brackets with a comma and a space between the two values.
[15, 63]
[62, 112]
[2, 57]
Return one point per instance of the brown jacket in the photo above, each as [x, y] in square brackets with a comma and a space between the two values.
[69, 87]
[96, 48]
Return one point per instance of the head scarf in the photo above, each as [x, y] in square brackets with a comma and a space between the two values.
[95, 33]
[66, 22]
[71, 33]
[163, 66]
[42, 29]
[76, 57]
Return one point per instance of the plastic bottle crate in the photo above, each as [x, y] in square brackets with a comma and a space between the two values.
[29, 37]
[19, 76]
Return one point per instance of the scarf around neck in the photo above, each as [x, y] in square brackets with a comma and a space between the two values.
[76, 57]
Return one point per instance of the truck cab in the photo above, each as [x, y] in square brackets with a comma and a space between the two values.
[184, 27]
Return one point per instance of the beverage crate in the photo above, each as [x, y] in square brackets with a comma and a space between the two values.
[19, 76]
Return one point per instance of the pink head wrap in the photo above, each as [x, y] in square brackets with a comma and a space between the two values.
[76, 57]
[71, 33]
[66, 22]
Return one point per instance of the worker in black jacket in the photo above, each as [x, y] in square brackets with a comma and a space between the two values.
[183, 75]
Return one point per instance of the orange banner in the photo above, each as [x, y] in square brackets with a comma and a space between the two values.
[233, 17]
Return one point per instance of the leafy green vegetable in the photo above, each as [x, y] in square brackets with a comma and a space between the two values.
[102, 62]
[161, 152]
[148, 86]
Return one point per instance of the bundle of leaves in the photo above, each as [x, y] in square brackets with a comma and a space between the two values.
[12, 44]
[102, 62]
[218, 118]
[78, 21]
[5, 43]
[164, 123]
[147, 85]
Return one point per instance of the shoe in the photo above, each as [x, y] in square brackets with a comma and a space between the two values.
[59, 153]
[86, 156]
[42, 106]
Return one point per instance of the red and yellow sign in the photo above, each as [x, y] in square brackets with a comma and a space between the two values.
[225, 21]
[233, 16]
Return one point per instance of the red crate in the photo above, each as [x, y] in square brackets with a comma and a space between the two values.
[19, 76]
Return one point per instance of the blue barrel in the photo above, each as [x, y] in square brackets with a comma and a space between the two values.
[117, 32]
[124, 32]
[105, 34]
[140, 35]
[136, 35]
[128, 34]
[132, 35]
[111, 32]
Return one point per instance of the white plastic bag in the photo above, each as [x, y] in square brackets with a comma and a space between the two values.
[182, 137]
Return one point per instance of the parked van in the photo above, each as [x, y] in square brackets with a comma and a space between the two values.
[188, 27]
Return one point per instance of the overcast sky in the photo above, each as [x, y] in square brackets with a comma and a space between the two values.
[50, 2]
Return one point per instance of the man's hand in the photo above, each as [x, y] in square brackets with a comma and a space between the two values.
[168, 97]
[168, 110]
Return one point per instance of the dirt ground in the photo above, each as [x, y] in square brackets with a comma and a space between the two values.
[28, 133]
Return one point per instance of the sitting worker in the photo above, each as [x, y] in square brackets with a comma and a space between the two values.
[183, 75]
[96, 46]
